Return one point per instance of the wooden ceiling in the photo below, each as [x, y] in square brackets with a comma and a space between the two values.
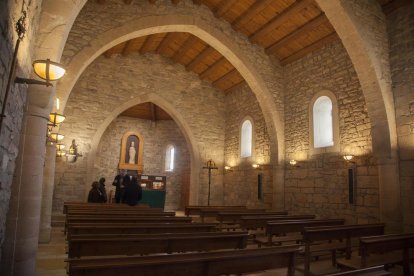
[147, 111]
[286, 29]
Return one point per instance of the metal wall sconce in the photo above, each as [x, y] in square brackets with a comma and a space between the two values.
[45, 69]
[293, 162]
[227, 169]
[256, 166]
[55, 137]
[348, 157]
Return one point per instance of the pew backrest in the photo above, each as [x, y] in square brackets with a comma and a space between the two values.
[195, 209]
[255, 222]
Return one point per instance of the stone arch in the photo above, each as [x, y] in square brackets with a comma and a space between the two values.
[175, 114]
[200, 28]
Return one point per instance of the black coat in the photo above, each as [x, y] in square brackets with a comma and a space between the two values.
[132, 194]
[96, 196]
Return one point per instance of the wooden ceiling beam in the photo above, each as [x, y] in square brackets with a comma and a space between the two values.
[207, 51]
[165, 43]
[190, 41]
[309, 26]
[312, 47]
[223, 7]
[100, 2]
[226, 77]
[152, 1]
[216, 65]
[279, 19]
[147, 44]
[197, 2]
[153, 112]
[128, 2]
[234, 87]
[257, 7]
[127, 48]
[175, 2]
[394, 5]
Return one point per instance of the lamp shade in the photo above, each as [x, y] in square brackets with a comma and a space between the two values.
[60, 153]
[56, 118]
[48, 70]
[60, 147]
[56, 136]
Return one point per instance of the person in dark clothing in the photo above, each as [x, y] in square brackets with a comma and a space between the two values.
[133, 191]
[102, 188]
[119, 186]
[95, 195]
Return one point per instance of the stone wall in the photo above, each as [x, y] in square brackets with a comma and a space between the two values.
[240, 184]
[318, 183]
[401, 37]
[10, 12]
[157, 136]
[197, 106]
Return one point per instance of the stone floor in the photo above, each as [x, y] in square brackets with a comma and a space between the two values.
[51, 256]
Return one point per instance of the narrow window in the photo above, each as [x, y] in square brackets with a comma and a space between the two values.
[322, 123]
[246, 139]
[169, 158]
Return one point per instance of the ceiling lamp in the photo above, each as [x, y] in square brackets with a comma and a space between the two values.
[45, 69]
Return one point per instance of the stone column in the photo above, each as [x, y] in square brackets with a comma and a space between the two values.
[390, 197]
[47, 194]
[22, 231]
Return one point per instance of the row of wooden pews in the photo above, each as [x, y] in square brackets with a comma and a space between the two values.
[316, 237]
[124, 240]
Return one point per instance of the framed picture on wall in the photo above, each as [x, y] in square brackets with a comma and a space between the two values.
[132, 145]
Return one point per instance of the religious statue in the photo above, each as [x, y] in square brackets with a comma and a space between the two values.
[132, 152]
[73, 153]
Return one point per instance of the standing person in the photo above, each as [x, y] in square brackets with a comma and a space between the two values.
[119, 186]
[102, 188]
[95, 195]
[133, 191]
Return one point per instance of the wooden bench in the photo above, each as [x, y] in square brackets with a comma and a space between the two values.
[288, 231]
[234, 217]
[371, 271]
[103, 245]
[212, 213]
[139, 228]
[147, 212]
[256, 222]
[335, 238]
[383, 250]
[188, 264]
[84, 205]
[195, 209]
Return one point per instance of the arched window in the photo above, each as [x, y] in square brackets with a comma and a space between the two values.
[322, 123]
[169, 158]
[246, 139]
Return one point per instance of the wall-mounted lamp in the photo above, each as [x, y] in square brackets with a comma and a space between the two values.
[255, 166]
[60, 147]
[227, 169]
[45, 69]
[60, 153]
[293, 162]
[55, 137]
[348, 157]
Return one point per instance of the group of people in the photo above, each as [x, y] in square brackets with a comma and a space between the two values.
[127, 190]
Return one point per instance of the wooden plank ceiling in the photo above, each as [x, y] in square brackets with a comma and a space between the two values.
[286, 29]
[148, 111]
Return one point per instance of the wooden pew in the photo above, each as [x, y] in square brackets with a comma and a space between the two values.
[188, 264]
[103, 245]
[256, 222]
[281, 228]
[212, 213]
[195, 209]
[383, 250]
[139, 228]
[120, 212]
[371, 271]
[85, 205]
[123, 219]
[335, 238]
[234, 217]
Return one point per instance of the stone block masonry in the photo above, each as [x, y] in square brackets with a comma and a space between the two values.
[318, 184]
[101, 90]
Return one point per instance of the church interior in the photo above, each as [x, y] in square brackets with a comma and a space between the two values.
[276, 125]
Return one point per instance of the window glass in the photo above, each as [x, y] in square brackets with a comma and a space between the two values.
[322, 123]
[246, 139]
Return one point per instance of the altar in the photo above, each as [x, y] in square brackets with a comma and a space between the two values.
[153, 190]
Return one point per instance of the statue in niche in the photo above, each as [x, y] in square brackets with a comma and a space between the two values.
[132, 153]
[73, 153]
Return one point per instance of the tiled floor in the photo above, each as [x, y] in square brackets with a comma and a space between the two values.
[51, 256]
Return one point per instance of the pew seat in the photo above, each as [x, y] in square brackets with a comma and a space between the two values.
[188, 264]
